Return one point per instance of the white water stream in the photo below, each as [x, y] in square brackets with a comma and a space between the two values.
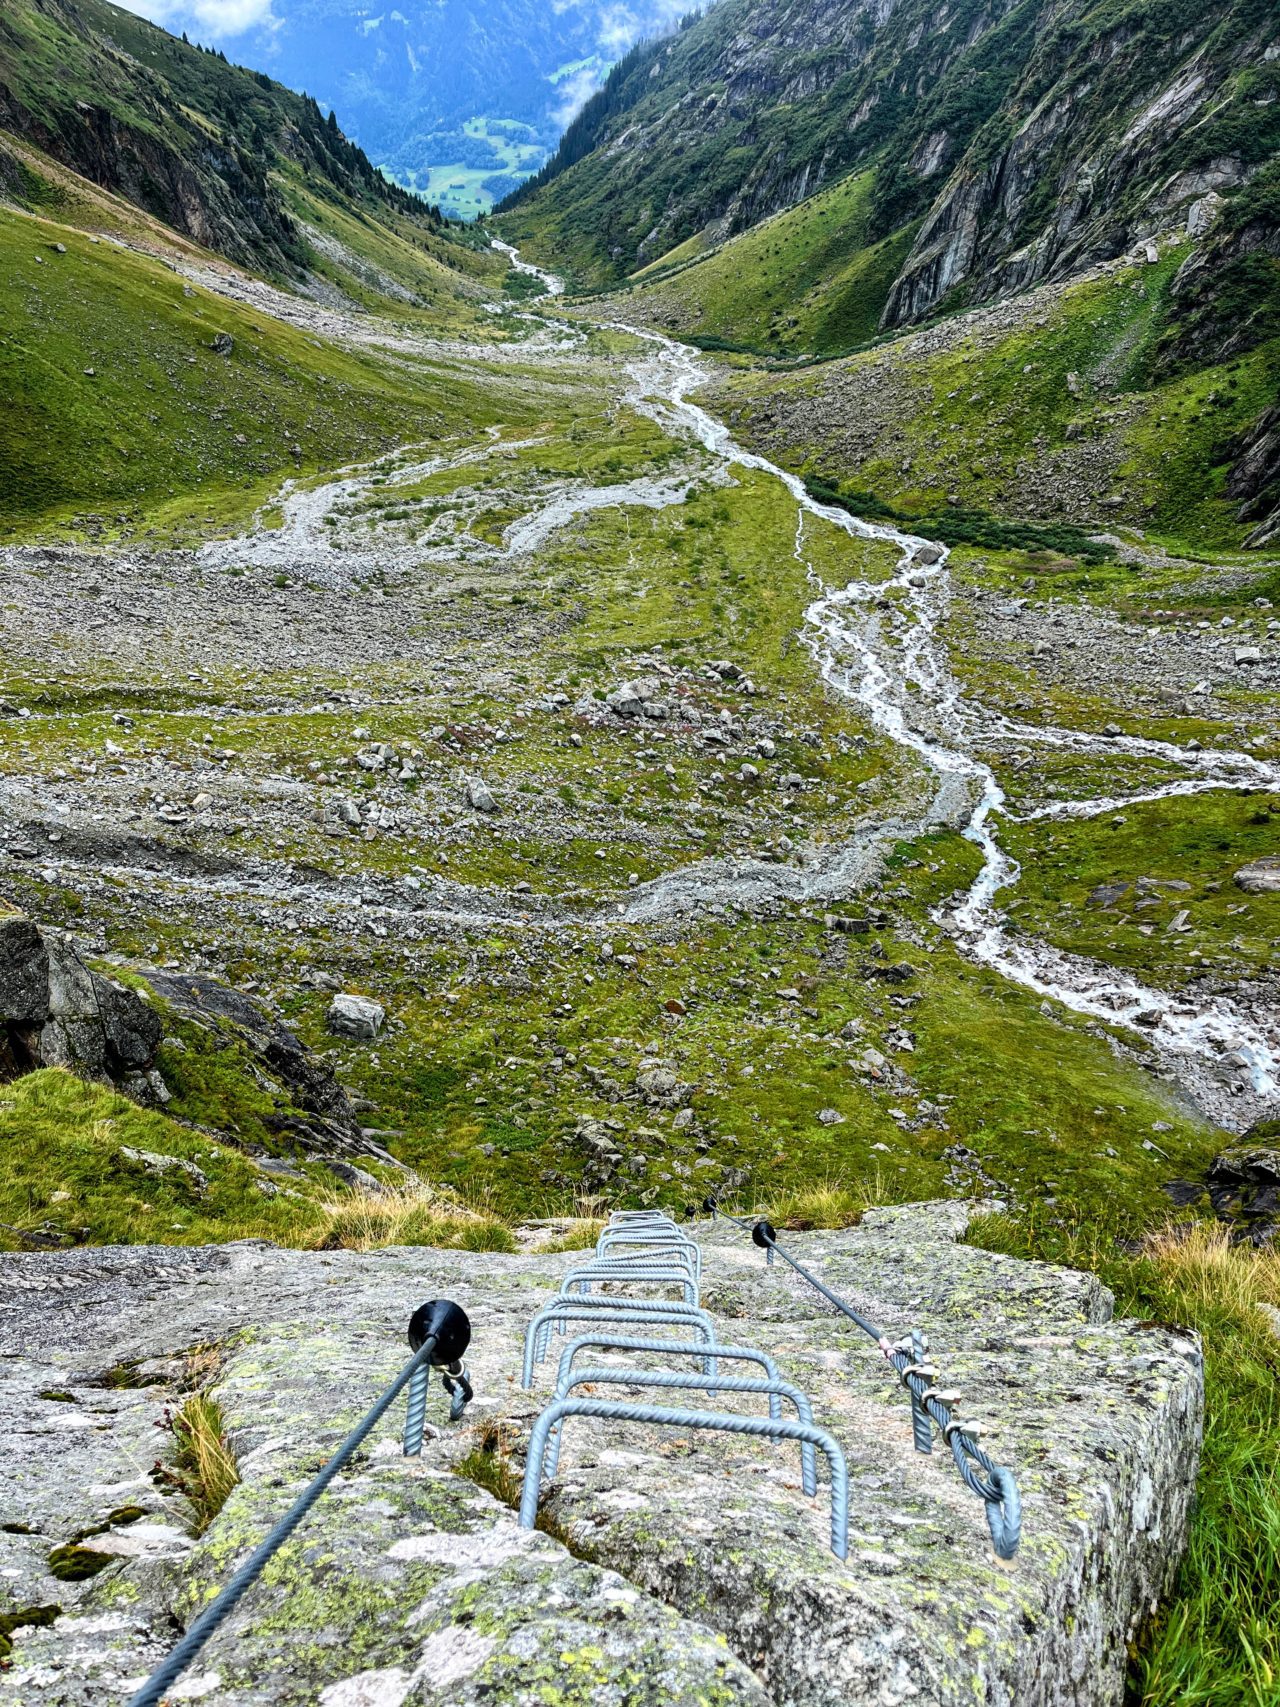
[904, 685]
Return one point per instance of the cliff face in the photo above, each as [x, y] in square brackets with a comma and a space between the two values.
[1123, 121]
[1033, 136]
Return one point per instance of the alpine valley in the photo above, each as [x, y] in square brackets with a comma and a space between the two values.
[750, 674]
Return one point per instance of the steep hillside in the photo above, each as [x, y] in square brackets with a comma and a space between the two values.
[461, 99]
[136, 399]
[1031, 137]
[1056, 407]
[223, 156]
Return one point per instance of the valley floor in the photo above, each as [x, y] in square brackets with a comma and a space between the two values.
[695, 836]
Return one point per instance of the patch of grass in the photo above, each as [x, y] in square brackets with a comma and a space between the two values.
[956, 526]
[491, 1465]
[66, 1179]
[204, 1463]
[414, 1215]
[1113, 890]
[827, 1203]
[65, 1173]
[1216, 1641]
[580, 1238]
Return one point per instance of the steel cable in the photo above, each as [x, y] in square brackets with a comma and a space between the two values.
[999, 1489]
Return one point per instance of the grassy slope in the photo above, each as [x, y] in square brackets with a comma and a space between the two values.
[973, 408]
[165, 427]
[67, 1178]
[62, 1143]
[807, 281]
[189, 138]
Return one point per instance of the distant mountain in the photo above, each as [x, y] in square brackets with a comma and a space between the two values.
[1010, 141]
[460, 99]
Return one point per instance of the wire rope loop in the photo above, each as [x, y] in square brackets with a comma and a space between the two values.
[1004, 1513]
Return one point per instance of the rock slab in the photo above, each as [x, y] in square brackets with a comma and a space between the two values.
[678, 1567]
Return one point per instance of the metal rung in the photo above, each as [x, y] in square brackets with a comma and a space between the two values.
[600, 1309]
[767, 1428]
[616, 1377]
[608, 1273]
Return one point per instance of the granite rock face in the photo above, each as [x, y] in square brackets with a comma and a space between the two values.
[677, 1567]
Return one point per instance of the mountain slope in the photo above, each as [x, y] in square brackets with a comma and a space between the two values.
[216, 152]
[1031, 136]
[460, 99]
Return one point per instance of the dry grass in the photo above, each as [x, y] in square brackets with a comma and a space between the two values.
[205, 1466]
[1215, 1642]
[1208, 1270]
[579, 1237]
[826, 1203]
[412, 1215]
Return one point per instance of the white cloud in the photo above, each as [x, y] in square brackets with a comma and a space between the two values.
[618, 26]
[218, 17]
[573, 93]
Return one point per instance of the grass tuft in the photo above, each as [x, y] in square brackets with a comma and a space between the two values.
[415, 1215]
[205, 1466]
[826, 1203]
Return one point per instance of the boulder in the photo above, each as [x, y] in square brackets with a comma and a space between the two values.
[1259, 877]
[601, 1156]
[355, 1016]
[55, 1011]
[1244, 1183]
[675, 1567]
[480, 796]
[660, 1087]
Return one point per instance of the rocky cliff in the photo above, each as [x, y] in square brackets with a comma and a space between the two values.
[1032, 137]
[672, 1569]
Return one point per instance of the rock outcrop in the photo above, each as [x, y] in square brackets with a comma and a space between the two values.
[675, 1569]
[323, 1121]
[56, 1012]
[1244, 1183]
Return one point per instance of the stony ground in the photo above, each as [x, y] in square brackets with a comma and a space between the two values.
[676, 1566]
[524, 737]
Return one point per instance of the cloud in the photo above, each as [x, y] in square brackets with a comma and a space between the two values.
[216, 17]
[573, 93]
[618, 26]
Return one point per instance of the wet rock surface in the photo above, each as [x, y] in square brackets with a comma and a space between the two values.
[702, 1572]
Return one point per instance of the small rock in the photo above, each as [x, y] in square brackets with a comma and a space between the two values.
[156, 1164]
